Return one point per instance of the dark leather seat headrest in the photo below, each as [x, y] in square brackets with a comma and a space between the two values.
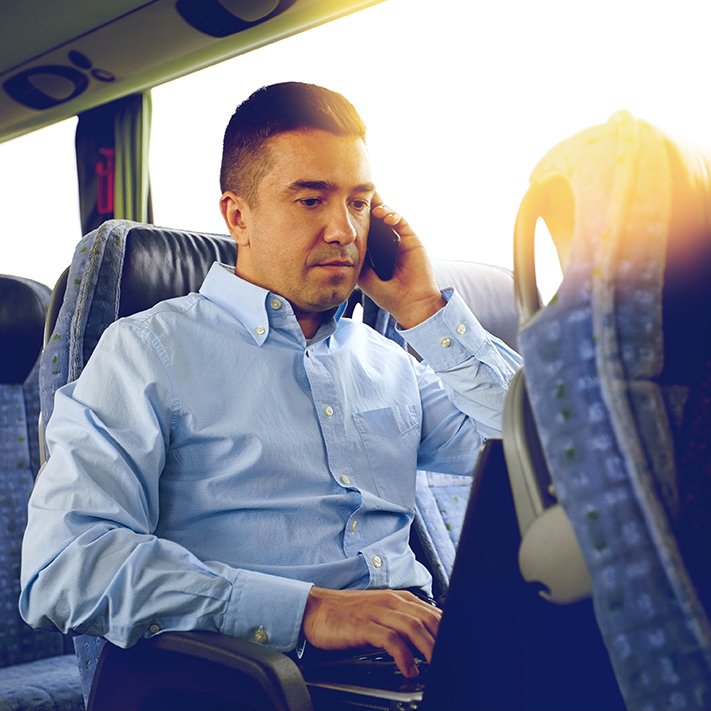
[161, 263]
[21, 330]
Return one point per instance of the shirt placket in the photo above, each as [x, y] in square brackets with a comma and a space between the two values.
[331, 417]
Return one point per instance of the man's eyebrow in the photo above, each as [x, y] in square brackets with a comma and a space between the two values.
[328, 186]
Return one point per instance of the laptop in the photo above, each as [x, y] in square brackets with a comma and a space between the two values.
[371, 679]
[500, 645]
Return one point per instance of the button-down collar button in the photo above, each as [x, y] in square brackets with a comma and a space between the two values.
[445, 342]
[259, 330]
[260, 636]
[154, 629]
[354, 525]
[346, 480]
[376, 561]
[328, 410]
[276, 304]
[461, 329]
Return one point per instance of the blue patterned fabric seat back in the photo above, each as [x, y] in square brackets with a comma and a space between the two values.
[441, 499]
[117, 270]
[23, 304]
[34, 671]
[617, 369]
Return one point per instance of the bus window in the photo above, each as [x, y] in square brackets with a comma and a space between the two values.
[39, 207]
[461, 101]
[460, 104]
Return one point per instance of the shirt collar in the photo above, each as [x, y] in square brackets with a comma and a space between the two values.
[257, 309]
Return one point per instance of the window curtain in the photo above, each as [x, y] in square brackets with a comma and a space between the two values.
[112, 143]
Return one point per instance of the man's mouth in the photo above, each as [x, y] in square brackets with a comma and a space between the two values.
[336, 263]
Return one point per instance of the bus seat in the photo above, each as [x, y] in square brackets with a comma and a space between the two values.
[441, 499]
[617, 368]
[119, 269]
[34, 671]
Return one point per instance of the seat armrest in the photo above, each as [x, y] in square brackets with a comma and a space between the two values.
[194, 670]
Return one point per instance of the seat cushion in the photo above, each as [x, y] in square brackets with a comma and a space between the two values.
[48, 684]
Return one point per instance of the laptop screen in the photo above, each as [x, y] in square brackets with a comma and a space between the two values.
[500, 644]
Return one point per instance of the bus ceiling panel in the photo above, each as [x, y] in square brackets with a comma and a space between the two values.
[150, 45]
[29, 28]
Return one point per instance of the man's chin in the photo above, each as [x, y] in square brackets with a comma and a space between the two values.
[330, 301]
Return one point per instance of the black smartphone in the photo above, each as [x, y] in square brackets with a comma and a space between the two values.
[383, 243]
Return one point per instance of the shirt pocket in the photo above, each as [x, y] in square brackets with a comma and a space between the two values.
[391, 437]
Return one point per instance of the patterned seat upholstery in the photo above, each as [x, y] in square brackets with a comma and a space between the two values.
[34, 671]
[441, 499]
[618, 372]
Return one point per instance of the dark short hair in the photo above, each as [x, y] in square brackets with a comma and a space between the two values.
[291, 106]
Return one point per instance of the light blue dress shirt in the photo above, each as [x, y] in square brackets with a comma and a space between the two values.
[209, 466]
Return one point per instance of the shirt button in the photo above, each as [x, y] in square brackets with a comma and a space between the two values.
[260, 636]
[377, 562]
[354, 525]
[346, 480]
[276, 304]
[259, 330]
[154, 629]
[328, 410]
[461, 329]
[445, 342]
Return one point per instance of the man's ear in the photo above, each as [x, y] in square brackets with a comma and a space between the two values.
[234, 211]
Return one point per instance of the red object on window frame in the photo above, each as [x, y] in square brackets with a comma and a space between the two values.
[105, 182]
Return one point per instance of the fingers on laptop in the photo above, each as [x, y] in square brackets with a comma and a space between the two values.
[408, 624]
[396, 621]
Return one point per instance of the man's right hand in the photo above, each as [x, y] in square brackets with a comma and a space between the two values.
[393, 620]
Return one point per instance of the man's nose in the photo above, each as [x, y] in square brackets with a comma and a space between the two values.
[341, 226]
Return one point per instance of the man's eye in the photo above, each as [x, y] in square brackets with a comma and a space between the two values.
[361, 204]
[310, 202]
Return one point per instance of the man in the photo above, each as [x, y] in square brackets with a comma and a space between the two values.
[242, 460]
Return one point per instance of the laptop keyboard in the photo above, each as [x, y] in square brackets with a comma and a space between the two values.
[373, 670]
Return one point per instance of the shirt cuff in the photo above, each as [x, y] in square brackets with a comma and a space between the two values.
[450, 336]
[266, 609]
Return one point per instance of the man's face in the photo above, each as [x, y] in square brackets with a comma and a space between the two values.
[305, 236]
